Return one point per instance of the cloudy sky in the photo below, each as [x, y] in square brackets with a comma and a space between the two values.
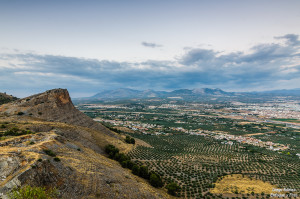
[90, 46]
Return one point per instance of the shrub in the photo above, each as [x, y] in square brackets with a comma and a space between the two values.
[121, 157]
[135, 169]
[56, 159]
[28, 192]
[124, 164]
[13, 132]
[29, 132]
[111, 150]
[49, 152]
[130, 164]
[3, 126]
[129, 140]
[16, 132]
[111, 155]
[132, 141]
[144, 172]
[155, 180]
[173, 188]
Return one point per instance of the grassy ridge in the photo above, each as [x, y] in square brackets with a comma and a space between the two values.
[4, 98]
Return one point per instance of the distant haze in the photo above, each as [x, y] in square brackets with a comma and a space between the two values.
[91, 46]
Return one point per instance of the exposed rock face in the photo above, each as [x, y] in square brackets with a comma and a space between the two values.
[79, 173]
[52, 105]
[83, 171]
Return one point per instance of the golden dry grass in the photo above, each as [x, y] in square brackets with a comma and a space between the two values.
[236, 183]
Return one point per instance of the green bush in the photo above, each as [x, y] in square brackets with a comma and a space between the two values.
[144, 172]
[130, 164]
[49, 152]
[129, 140]
[28, 192]
[124, 164]
[155, 180]
[173, 188]
[120, 157]
[111, 150]
[56, 159]
[132, 141]
[135, 169]
[15, 132]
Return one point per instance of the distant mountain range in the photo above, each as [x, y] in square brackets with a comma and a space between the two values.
[125, 93]
[186, 94]
[295, 92]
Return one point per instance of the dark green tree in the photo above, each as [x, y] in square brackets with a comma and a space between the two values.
[155, 180]
[132, 141]
[144, 172]
[173, 188]
[135, 169]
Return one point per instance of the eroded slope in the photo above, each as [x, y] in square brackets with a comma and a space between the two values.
[76, 165]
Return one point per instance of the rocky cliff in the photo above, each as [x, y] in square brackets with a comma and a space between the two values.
[53, 105]
[45, 141]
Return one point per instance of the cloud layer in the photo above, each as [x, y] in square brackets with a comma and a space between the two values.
[150, 45]
[264, 66]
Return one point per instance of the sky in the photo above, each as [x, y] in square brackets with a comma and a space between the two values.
[90, 46]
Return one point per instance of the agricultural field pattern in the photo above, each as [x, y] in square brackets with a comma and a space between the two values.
[201, 147]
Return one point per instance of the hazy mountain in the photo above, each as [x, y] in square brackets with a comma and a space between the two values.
[284, 92]
[124, 93]
[197, 94]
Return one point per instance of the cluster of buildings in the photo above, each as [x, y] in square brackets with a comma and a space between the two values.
[228, 139]
[135, 126]
[225, 137]
[273, 110]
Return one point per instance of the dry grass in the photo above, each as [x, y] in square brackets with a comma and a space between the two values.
[128, 130]
[236, 183]
[90, 170]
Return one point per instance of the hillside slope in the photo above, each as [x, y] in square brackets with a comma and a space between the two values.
[83, 170]
[4, 98]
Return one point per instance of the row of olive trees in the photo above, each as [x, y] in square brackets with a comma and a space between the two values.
[141, 171]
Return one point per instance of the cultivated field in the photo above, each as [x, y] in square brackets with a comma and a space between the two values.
[197, 162]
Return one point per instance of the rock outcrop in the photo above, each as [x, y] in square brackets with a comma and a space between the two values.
[81, 169]
[53, 105]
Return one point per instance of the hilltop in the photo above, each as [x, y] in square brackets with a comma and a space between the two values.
[46, 142]
[4, 98]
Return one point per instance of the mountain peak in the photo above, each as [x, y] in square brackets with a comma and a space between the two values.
[52, 105]
[5, 98]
